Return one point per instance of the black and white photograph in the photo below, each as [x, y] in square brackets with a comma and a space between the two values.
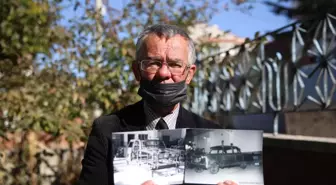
[213, 156]
[149, 155]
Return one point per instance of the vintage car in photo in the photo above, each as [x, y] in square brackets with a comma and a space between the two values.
[223, 156]
[196, 158]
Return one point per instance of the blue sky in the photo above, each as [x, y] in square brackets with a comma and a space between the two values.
[241, 24]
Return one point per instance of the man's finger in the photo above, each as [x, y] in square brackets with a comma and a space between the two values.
[228, 182]
[149, 182]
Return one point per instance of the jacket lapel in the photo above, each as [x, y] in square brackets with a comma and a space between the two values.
[184, 119]
[133, 118]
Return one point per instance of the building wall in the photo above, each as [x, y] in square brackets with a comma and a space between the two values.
[318, 123]
[237, 137]
[127, 136]
[212, 34]
[173, 134]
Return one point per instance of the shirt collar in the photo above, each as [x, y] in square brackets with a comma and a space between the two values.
[152, 118]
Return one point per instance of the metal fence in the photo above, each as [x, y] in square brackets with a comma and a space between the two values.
[290, 69]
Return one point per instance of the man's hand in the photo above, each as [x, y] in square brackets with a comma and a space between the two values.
[149, 182]
[228, 182]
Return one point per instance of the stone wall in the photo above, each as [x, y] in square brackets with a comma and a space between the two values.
[320, 124]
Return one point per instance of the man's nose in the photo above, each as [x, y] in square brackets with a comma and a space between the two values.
[163, 73]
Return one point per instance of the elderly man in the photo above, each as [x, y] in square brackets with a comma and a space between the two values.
[164, 66]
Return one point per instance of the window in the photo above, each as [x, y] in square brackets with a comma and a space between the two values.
[130, 137]
[214, 151]
[143, 136]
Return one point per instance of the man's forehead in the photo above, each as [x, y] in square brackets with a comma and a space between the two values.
[155, 45]
[154, 40]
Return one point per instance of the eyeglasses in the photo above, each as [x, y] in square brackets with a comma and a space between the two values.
[152, 66]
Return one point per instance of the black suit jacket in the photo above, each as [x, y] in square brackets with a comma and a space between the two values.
[97, 168]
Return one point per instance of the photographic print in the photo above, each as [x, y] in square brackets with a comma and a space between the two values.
[149, 155]
[213, 156]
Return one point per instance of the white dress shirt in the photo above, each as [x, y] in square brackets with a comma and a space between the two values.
[152, 118]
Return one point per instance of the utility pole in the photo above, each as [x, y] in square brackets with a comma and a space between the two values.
[99, 30]
[99, 42]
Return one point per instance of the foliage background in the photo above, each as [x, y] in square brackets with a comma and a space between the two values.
[55, 78]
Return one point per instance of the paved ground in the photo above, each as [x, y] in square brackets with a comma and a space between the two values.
[142, 173]
[248, 176]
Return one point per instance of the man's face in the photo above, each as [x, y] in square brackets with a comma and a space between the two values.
[165, 50]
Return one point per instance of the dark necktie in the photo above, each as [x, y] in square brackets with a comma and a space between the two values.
[161, 125]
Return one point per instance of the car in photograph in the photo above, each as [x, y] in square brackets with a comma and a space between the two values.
[224, 156]
[196, 158]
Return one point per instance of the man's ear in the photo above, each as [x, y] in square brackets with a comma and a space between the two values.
[191, 73]
[136, 71]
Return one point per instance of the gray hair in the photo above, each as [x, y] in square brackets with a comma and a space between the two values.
[168, 31]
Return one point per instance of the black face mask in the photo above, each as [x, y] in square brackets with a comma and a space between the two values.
[162, 94]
